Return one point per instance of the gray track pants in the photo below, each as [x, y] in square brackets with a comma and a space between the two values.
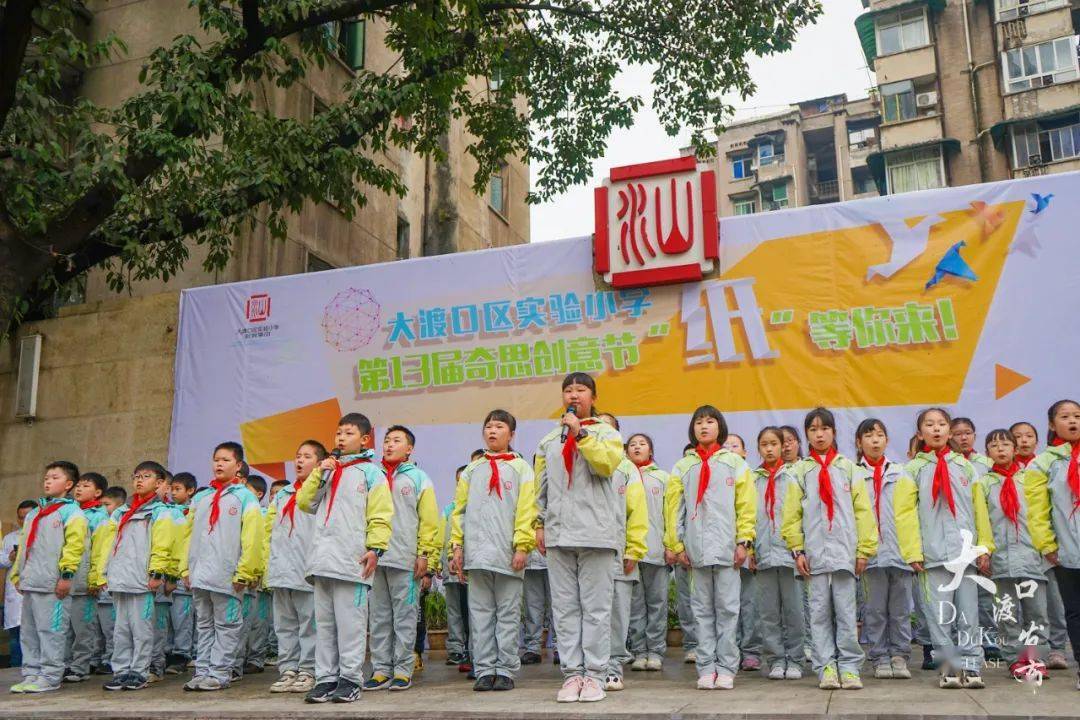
[1018, 616]
[834, 638]
[107, 619]
[887, 622]
[780, 607]
[294, 624]
[581, 580]
[952, 612]
[84, 646]
[494, 618]
[537, 607]
[649, 612]
[1055, 613]
[620, 626]
[683, 609]
[394, 601]
[457, 637]
[219, 621]
[43, 634]
[749, 615]
[182, 616]
[135, 634]
[341, 627]
[714, 598]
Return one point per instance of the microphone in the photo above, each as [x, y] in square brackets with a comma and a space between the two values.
[336, 453]
[566, 428]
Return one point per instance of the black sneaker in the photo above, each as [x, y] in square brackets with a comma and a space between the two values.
[530, 658]
[928, 658]
[135, 682]
[503, 683]
[117, 683]
[346, 692]
[321, 693]
[992, 652]
[237, 676]
[471, 674]
[253, 669]
[554, 657]
[455, 658]
[484, 684]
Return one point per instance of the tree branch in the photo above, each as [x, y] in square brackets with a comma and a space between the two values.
[16, 27]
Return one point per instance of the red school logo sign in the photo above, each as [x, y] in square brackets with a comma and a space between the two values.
[656, 224]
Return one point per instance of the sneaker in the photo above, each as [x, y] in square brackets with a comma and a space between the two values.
[273, 661]
[555, 658]
[103, 669]
[155, 677]
[457, 658]
[484, 684]
[899, 668]
[175, 669]
[850, 681]
[136, 682]
[949, 680]
[724, 682]
[193, 683]
[117, 683]
[614, 682]
[377, 681]
[471, 675]
[690, 657]
[654, 663]
[37, 685]
[972, 680]
[1029, 670]
[829, 680]
[400, 683]
[883, 672]
[706, 681]
[191, 663]
[640, 664]
[570, 690]
[253, 669]
[74, 677]
[777, 672]
[1056, 660]
[591, 691]
[237, 676]
[347, 691]
[793, 672]
[284, 682]
[303, 683]
[992, 652]
[465, 667]
[928, 662]
[530, 658]
[212, 684]
[503, 683]
[321, 693]
[1078, 680]
[750, 663]
[18, 688]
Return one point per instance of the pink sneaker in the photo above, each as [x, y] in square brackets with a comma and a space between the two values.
[591, 691]
[571, 690]
[751, 663]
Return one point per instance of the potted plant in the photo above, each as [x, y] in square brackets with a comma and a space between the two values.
[435, 619]
[674, 629]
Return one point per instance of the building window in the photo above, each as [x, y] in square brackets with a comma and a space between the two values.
[741, 166]
[915, 170]
[863, 137]
[779, 197]
[403, 251]
[900, 31]
[316, 263]
[745, 207]
[862, 180]
[770, 152]
[497, 189]
[495, 80]
[348, 41]
[898, 101]
[1040, 65]
[1012, 9]
[1046, 141]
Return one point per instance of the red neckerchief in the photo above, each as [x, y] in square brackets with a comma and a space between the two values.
[391, 466]
[879, 477]
[215, 504]
[705, 473]
[569, 449]
[335, 479]
[89, 504]
[942, 482]
[825, 481]
[770, 489]
[288, 510]
[1073, 474]
[1009, 498]
[1024, 460]
[44, 512]
[494, 485]
[136, 502]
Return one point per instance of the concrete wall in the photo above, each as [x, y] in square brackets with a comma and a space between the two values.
[104, 394]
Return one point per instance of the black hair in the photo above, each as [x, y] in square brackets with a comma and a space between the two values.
[235, 448]
[258, 482]
[1051, 436]
[614, 420]
[357, 420]
[501, 416]
[460, 470]
[962, 421]
[778, 432]
[318, 447]
[1000, 434]
[824, 415]
[914, 444]
[478, 453]
[26, 505]
[869, 425]
[278, 482]
[794, 431]
[245, 470]
[641, 435]
[580, 378]
[187, 480]
[741, 441]
[402, 429]
[1012, 428]
[689, 446]
[97, 478]
[154, 467]
[116, 492]
[922, 416]
[70, 469]
[708, 411]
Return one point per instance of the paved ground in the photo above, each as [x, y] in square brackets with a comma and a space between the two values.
[441, 692]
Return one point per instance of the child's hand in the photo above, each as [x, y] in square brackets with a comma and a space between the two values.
[518, 563]
[669, 557]
[628, 566]
[1051, 557]
[425, 583]
[94, 590]
[860, 566]
[370, 560]
[917, 567]
[458, 564]
[573, 423]
[420, 569]
[683, 559]
[63, 588]
[329, 464]
[802, 565]
[170, 587]
[983, 563]
[239, 587]
[540, 541]
[187, 583]
[740, 555]
[154, 583]
[753, 563]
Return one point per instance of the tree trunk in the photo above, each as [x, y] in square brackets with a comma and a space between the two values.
[20, 264]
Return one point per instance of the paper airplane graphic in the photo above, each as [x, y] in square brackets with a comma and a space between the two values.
[952, 263]
[1006, 380]
[908, 243]
[1041, 202]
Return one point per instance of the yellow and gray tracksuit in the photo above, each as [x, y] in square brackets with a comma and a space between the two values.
[831, 551]
[579, 513]
[709, 532]
[288, 543]
[256, 608]
[634, 530]
[491, 524]
[649, 599]
[182, 610]
[457, 610]
[57, 553]
[85, 640]
[358, 521]
[930, 533]
[213, 560]
[395, 591]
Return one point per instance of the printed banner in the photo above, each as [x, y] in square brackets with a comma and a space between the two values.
[964, 297]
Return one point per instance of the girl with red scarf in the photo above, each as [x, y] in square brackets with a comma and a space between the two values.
[935, 526]
[1014, 563]
[1052, 490]
[887, 623]
[780, 591]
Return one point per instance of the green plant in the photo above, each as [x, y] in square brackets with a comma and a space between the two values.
[435, 611]
[672, 607]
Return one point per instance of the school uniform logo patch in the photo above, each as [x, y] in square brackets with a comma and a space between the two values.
[57, 523]
[406, 491]
[233, 511]
[656, 491]
[847, 487]
[731, 482]
[622, 490]
[507, 485]
[964, 482]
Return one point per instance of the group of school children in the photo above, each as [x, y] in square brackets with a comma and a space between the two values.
[760, 558]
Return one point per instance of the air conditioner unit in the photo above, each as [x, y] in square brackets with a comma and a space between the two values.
[1034, 160]
[926, 99]
[27, 384]
[1045, 80]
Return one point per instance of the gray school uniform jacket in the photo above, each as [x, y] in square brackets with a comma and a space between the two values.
[633, 521]
[770, 551]
[180, 513]
[213, 559]
[96, 518]
[358, 520]
[536, 561]
[290, 543]
[981, 463]
[415, 527]
[580, 510]
[888, 549]
[445, 526]
[492, 523]
[727, 514]
[929, 532]
[1053, 520]
[145, 546]
[852, 534]
[58, 546]
[654, 482]
[1013, 553]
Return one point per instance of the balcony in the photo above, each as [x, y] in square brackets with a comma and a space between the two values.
[857, 153]
[906, 65]
[825, 191]
[1041, 101]
[911, 132]
[777, 167]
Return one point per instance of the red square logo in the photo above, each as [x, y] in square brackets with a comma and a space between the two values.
[257, 307]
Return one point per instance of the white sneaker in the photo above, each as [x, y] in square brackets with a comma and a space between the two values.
[777, 672]
[640, 663]
[706, 682]
[571, 690]
[614, 682]
[303, 683]
[883, 672]
[724, 682]
[690, 657]
[655, 663]
[591, 691]
[900, 669]
[284, 682]
[793, 672]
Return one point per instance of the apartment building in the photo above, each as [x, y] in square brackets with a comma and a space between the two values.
[972, 90]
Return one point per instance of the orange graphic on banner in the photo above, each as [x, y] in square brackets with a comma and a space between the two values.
[1006, 380]
[273, 439]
